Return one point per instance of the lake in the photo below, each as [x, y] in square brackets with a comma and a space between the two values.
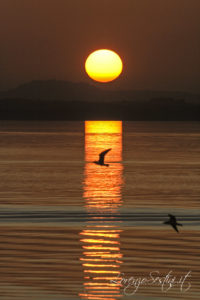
[71, 229]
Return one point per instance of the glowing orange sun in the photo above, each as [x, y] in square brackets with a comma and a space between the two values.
[103, 65]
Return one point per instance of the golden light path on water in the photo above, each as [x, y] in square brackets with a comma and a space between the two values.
[100, 239]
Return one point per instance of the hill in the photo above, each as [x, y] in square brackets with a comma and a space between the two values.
[61, 100]
[70, 91]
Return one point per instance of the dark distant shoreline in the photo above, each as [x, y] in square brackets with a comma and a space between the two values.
[61, 100]
[20, 109]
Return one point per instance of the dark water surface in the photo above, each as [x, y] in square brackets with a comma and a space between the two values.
[71, 229]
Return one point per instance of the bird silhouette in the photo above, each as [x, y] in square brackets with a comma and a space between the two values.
[101, 158]
[172, 222]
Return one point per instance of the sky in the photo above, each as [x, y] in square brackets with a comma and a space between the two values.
[158, 41]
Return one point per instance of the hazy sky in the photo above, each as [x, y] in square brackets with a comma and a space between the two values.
[158, 40]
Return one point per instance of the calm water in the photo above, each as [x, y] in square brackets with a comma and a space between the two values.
[71, 229]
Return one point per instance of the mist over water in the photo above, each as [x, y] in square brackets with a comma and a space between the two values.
[69, 227]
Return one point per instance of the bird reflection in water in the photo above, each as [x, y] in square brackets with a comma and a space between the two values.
[100, 238]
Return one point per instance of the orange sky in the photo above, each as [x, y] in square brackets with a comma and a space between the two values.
[158, 40]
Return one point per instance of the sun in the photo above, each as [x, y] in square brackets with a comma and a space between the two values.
[103, 65]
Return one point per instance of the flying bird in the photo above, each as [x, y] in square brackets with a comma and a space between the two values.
[101, 158]
[172, 222]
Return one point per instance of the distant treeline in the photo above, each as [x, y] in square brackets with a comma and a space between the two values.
[153, 110]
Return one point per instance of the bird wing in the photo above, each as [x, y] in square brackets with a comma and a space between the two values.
[174, 226]
[172, 217]
[102, 154]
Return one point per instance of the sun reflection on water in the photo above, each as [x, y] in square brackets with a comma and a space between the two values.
[100, 239]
